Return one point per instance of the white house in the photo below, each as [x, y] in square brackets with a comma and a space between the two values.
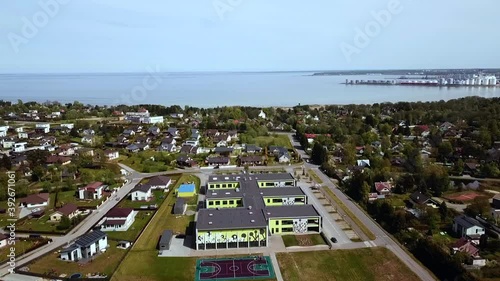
[467, 226]
[43, 127]
[19, 147]
[93, 191]
[7, 144]
[86, 246]
[35, 200]
[22, 135]
[262, 114]
[68, 125]
[68, 210]
[111, 154]
[3, 131]
[87, 139]
[141, 192]
[3, 240]
[153, 119]
[19, 129]
[118, 219]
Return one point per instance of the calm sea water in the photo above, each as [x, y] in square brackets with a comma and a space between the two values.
[218, 89]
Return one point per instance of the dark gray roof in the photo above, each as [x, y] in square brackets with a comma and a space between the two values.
[231, 218]
[166, 236]
[419, 198]
[90, 238]
[242, 177]
[223, 149]
[141, 187]
[158, 180]
[70, 248]
[467, 222]
[294, 211]
[218, 160]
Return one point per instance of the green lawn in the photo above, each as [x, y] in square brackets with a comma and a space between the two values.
[303, 240]
[314, 176]
[104, 263]
[141, 219]
[40, 224]
[65, 197]
[273, 139]
[369, 264]
[163, 219]
[348, 212]
[142, 162]
[21, 246]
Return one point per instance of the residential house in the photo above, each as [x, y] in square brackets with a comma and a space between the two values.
[218, 161]
[221, 143]
[141, 192]
[251, 160]
[3, 131]
[262, 114]
[159, 182]
[42, 128]
[222, 138]
[19, 146]
[233, 135]
[252, 148]
[23, 135]
[173, 132]
[154, 131]
[35, 200]
[133, 148]
[223, 151]
[84, 151]
[143, 146]
[168, 147]
[471, 168]
[165, 240]
[66, 150]
[496, 201]
[142, 139]
[363, 163]
[118, 219]
[192, 142]
[464, 245]
[212, 133]
[87, 139]
[284, 157]
[111, 154]
[169, 140]
[275, 150]
[179, 206]
[128, 133]
[68, 210]
[88, 132]
[19, 160]
[189, 149]
[68, 125]
[465, 226]
[186, 161]
[56, 159]
[417, 198]
[383, 188]
[93, 191]
[85, 247]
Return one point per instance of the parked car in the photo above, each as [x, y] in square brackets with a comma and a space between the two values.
[333, 239]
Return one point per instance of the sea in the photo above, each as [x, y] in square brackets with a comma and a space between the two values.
[259, 89]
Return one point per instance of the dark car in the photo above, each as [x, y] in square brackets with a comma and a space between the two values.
[333, 239]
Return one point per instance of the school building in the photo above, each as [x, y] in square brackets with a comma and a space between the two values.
[243, 210]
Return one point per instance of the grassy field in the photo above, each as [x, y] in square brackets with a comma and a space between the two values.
[303, 240]
[22, 246]
[273, 139]
[341, 205]
[142, 162]
[314, 176]
[141, 219]
[66, 197]
[163, 219]
[104, 263]
[143, 263]
[368, 264]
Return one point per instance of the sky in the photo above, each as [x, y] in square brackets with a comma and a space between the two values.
[75, 36]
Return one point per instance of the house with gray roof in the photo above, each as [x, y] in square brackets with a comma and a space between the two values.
[465, 226]
[85, 247]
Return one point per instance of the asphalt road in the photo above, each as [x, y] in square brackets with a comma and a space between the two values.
[383, 239]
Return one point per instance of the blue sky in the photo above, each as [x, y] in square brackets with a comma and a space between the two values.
[250, 35]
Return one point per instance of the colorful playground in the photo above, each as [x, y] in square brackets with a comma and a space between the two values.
[228, 269]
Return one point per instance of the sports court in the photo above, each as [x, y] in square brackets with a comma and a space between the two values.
[240, 268]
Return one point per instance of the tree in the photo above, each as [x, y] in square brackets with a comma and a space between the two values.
[480, 206]
[443, 211]
[445, 150]
[64, 224]
[319, 154]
